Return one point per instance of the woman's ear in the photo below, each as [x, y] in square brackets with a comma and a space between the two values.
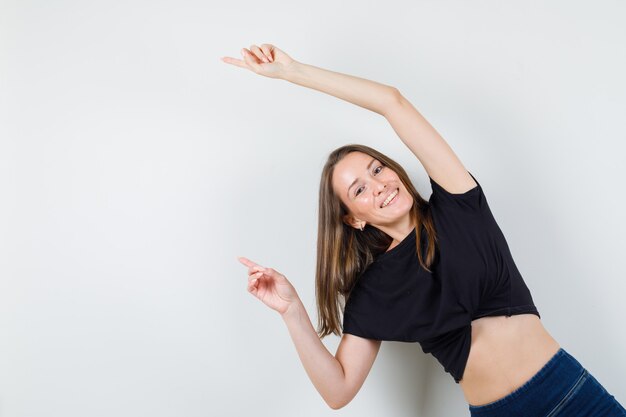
[351, 221]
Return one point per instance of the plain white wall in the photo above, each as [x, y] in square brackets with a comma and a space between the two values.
[135, 166]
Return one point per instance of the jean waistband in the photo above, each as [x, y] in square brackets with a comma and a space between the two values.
[553, 380]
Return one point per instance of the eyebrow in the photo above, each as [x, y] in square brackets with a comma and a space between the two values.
[355, 181]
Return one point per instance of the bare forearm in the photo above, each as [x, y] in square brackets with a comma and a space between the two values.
[321, 366]
[368, 94]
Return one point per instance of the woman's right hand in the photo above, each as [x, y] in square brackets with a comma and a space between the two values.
[270, 286]
[267, 60]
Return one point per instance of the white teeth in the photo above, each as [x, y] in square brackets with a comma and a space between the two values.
[391, 197]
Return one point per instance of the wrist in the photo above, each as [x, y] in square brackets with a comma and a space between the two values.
[291, 70]
[294, 309]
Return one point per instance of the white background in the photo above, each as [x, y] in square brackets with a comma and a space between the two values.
[135, 166]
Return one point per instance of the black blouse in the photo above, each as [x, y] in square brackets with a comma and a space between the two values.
[473, 276]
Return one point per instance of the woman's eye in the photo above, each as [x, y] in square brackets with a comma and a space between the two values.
[376, 171]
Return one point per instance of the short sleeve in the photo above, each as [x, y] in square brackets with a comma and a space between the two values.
[469, 201]
[350, 322]
[354, 322]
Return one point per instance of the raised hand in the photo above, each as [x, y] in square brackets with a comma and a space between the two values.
[266, 60]
[270, 286]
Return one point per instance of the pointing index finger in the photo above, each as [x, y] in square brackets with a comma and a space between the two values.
[247, 262]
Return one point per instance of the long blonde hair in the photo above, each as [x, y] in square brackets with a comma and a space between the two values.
[344, 252]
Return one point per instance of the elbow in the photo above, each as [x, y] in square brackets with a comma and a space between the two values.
[341, 393]
[337, 403]
[395, 94]
[394, 99]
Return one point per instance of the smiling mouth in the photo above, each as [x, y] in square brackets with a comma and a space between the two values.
[395, 195]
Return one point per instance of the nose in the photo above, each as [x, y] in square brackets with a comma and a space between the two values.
[380, 187]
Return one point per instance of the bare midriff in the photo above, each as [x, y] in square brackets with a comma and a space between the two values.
[505, 353]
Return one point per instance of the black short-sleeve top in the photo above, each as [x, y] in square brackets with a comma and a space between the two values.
[473, 276]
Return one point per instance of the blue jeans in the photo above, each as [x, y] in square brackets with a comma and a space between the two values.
[561, 388]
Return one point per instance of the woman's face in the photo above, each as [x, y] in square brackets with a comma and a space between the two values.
[363, 184]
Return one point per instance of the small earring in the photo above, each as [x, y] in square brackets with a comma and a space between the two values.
[361, 227]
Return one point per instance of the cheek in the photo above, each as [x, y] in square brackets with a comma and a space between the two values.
[409, 198]
[366, 203]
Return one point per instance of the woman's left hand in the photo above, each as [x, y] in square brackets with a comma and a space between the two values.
[266, 60]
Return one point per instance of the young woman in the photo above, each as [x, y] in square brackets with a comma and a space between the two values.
[437, 272]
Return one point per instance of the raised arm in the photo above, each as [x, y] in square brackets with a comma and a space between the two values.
[436, 156]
